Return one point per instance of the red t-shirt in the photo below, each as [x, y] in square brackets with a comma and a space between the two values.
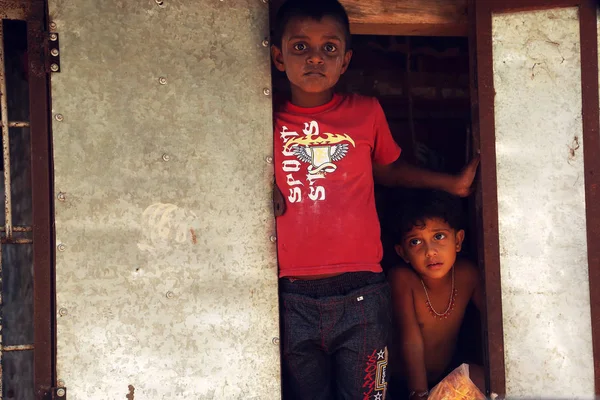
[323, 167]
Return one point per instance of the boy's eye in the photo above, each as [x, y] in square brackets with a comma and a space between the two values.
[299, 47]
[439, 236]
[330, 48]
[414, 242]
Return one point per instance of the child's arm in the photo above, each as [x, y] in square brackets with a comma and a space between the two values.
[400, 173]
[411, 340]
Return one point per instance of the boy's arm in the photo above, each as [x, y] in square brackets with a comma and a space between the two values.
[412, 346]
[400, 173]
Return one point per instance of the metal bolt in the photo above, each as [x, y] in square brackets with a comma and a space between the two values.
[170, 295]
[265, 43]
[160, 3]
[52, 25]
[162, 80]
[53, 37]
[59, 117]
[273, 238]
[269, 159]
[54, 52]
[61, 247]
[61, 392]
[62, 312]
[54, 67]
[267, 91]
[61, 196]
[60, 382]
[166, 157]
[275, 341]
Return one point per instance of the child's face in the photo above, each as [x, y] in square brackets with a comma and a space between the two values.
[431, 250]
[312, 54]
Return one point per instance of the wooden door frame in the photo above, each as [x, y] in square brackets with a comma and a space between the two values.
[34, 13]
[591, 129]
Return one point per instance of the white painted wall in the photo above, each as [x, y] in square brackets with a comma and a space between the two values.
[543, 249]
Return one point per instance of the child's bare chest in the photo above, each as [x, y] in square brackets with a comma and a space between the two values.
[440, 316]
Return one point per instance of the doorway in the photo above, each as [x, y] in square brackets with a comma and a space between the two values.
[425, 84]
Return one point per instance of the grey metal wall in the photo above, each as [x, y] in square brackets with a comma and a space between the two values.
[166, 274]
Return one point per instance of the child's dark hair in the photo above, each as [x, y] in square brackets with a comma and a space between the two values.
[315, 9]
[420, 205]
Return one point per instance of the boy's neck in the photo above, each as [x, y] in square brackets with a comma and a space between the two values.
[309, 100]
[434, 284]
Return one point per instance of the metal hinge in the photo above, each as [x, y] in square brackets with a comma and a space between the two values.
[53, 52]
[59, 393]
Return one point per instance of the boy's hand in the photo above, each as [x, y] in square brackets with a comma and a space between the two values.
[463, 182]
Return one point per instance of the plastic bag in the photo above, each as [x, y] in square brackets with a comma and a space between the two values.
[456, 386]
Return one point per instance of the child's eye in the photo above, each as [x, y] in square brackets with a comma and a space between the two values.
[330, 48]
[439, 236]
[299, 47]
[415, 242]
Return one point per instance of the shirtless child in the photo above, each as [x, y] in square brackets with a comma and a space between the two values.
[430, 299]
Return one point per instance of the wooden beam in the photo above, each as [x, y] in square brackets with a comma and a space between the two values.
[404, 17]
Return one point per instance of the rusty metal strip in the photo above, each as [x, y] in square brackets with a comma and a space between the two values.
[591, 164]
[487, 204]
[5, 139]
[15, 241]
[42, 203]
[18, 124]
[14, 9]
[18, 229]
[19, 347]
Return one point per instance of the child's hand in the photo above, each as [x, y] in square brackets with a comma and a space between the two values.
[462, 185]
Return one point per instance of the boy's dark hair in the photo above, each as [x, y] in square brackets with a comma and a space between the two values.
[420, 205]
[315, 9]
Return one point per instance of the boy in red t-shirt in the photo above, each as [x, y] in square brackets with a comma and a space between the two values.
[335, 302]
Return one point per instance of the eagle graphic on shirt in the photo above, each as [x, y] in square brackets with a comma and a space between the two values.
[321, 151]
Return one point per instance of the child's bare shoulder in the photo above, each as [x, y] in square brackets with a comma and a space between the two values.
[467, 271]
[403, 276]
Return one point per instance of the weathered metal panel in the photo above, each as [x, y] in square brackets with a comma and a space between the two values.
[542, 226]
[166, 279]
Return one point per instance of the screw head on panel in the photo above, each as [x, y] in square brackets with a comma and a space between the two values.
[269, 159]
[61, 196]
[61, 392]
[53, 25]
[54, 52]
[267, 91]
[61, 247]
[170, 295]
[162, 80]
[166, 157]
[63, 312]
[273, 238]
[53, 37]
[265, 43]
[54, 67]
[275, 341]
[60, 382]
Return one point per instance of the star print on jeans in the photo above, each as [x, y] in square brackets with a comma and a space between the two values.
[381, 355]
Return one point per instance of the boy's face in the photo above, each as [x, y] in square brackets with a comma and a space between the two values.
[431, 250]
[312, 54]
